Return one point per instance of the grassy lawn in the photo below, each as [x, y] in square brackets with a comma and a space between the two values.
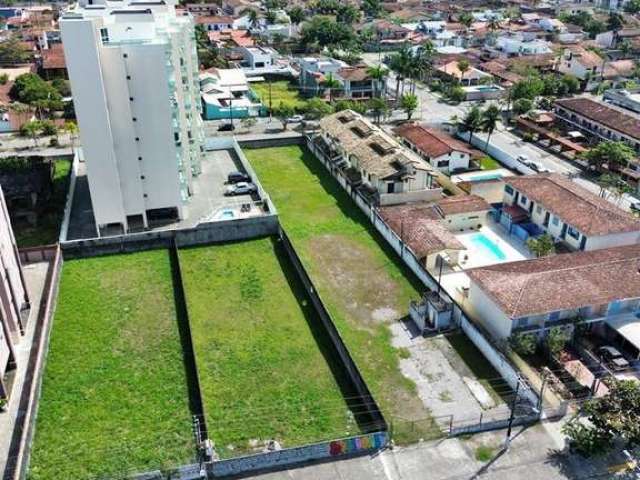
[47, 230]
[281, 92]
[115, 394]
[488, 163]
[265, 366]
[361, 280]
[480, 367]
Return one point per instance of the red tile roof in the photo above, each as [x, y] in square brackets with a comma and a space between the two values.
[590, 214]
[561, 282]
[53, 58]
[463, 204]
[431, 142]
[599, 112]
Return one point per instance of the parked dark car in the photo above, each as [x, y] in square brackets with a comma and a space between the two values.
[236, 177]
[613, 358]
[226, 127]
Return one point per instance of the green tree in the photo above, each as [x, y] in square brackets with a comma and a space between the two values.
[379, 108]
[612, 419]
[326, 32]
[4, 78]
[347, 14]
[331, 84]
[296, 14]
[13, 52]
[472, 122]
[72, 129]
[571, 83]
[379, 75]
[371, 8]
[317, 108]
[464, 66]
[529, 88]
[30, 88]
[270, 17]
[556, 339]
[62, 86]
[632, 6]
[248, 122]
[466, 19]
[490, 117]
[409, 103]
[541, 246]
[522, 106]
[31, 129]
[615, 22]
[611, 153]
[283, 112]
[455, 93]
[524, 343]
[252, 16]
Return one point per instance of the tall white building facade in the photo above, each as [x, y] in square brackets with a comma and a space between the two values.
[133, 69]
[14, 300]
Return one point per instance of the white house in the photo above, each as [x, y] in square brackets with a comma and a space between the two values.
[568, 212]
[442, 151]
[376, 161]
[519, 45]
[314, 69]
[581, 63]
[14, 299]
[599, 287]
[133, 70]
[226, 94]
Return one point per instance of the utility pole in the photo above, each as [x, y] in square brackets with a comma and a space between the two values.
[231, 112]
[507, 442]
[270, 106]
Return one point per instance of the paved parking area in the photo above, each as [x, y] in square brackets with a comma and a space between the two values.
[444, 382]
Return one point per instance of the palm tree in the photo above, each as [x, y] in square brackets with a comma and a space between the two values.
[72, 129]
[379, 74]
[253, 17]
[330, 83]
[424, 59]
[490, 118]
[401, 64]
[471, 122]
[464, 66]
[379, 108]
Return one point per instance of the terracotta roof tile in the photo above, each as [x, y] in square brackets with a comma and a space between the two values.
[611, 117]
[561, 282]
[431, 142]
[590, 214]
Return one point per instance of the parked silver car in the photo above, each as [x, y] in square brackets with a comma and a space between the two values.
[240, 188]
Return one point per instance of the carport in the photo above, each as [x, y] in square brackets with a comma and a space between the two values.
[626, 330]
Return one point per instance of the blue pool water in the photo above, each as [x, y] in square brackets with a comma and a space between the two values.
[486, 176]
[487, 246]
[227, 214]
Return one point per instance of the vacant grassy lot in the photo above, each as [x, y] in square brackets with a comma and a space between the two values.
[361, 281]
[488, 163]
[262, 358]
[281, 92]
[115, 396]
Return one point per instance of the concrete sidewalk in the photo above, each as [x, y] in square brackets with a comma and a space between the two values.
[535, 453]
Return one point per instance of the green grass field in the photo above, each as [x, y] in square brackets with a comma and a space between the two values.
[47, 231]
[261, 356]
[115, 395]
[361, 280]
[281, 92]
[488, 163]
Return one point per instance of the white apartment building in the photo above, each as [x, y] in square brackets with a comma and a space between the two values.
[134, 77]
[14, 300]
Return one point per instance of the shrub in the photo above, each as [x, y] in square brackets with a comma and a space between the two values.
[524, 343]
[556, 340]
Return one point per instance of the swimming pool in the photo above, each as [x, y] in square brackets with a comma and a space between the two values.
[487, 246]
[226, 214]
[486, 176]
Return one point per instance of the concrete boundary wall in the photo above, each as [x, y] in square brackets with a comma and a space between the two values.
[28, 409]
[496, 152]
[205, 233]
[64, 228]
[291, 457]
[481, 340]
[352, 370]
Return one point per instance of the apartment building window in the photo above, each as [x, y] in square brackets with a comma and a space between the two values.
[131, 99]
[137, 139]
[508, 189]
[134, 119]
[141, 177]
[572, 232]
[128, 77]
[555, 221]
[104, 35]
[538, 209]
[139, 159]
[144, 195]
[523, 200]
[124, 55]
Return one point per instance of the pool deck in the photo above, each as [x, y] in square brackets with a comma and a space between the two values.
[455, 281]
[482, 175]
[477, 255]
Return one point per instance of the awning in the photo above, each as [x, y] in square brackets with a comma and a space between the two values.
[628, 326]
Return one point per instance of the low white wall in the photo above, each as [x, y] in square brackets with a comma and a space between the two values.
[415, 196]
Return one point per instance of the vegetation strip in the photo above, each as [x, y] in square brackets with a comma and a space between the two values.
[267, 368]
[115, 396]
